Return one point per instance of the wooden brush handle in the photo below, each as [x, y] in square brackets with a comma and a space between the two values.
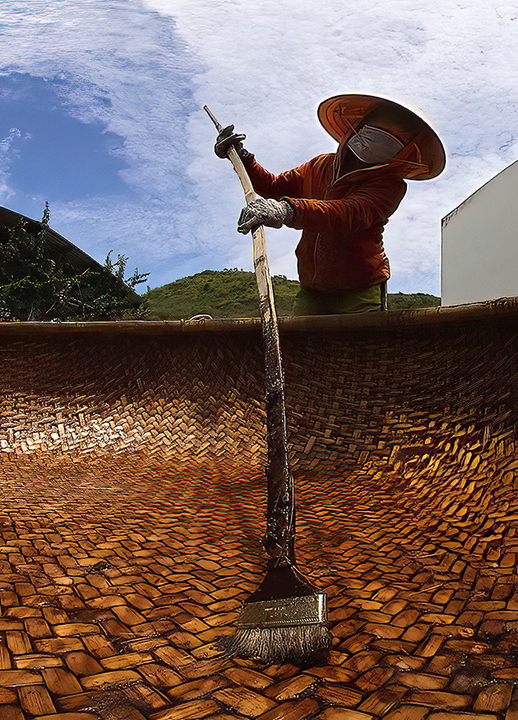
[280, 515]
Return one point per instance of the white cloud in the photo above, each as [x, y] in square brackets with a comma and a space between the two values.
[146, 68]
[120, 64]
[268, 64]
[8, 150]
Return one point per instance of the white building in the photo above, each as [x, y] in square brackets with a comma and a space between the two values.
[479, 246]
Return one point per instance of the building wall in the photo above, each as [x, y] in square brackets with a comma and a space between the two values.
[480, 243]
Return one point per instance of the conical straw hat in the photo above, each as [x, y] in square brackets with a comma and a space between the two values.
[423, 156]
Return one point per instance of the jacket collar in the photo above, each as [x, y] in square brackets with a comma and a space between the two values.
[354, 175]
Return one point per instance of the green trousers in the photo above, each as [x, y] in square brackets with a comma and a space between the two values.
[315, 302]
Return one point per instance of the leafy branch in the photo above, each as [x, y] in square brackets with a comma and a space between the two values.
[38, 281]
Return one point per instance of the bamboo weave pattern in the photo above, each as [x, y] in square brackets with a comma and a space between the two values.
[133, 509]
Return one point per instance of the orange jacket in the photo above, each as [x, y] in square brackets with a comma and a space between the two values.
[342, 219]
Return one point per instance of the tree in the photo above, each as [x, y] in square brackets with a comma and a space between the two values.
[39, 282]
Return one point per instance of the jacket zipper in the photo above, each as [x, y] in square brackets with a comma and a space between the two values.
[326, 195]
[315, 259]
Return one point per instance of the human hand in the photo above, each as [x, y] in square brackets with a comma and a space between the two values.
[226, 139]
[273, 213]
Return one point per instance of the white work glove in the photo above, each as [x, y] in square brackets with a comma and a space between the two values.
[273, 213]
[226, 138]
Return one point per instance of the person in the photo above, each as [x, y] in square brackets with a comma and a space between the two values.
[342, 201]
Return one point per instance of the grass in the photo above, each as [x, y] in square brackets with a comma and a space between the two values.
[233, 293]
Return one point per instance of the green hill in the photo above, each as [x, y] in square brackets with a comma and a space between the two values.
[407, 301]
[233, 293]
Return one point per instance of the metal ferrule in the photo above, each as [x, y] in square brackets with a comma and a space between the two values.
[292, 611]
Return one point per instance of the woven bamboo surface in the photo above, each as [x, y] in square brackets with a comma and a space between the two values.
[132, 459]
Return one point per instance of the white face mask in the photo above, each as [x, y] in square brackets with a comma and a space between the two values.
[374, 146]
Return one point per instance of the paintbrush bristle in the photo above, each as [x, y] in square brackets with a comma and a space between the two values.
[283, 621]
[301, 645]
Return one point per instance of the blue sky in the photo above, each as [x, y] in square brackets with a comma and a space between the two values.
[54, 154]
[100, 114]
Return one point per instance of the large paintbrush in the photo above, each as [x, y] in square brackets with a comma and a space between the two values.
[285, 619]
